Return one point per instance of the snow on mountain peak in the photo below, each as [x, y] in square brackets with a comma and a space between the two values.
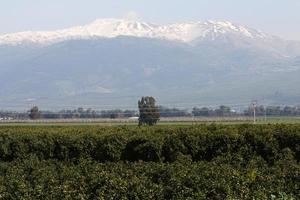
[109, 28]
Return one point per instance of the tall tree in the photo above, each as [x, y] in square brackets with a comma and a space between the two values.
[149, 112]
[34, 113]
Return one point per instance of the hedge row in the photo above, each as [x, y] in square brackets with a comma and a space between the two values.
[34, 179]
[157, 144]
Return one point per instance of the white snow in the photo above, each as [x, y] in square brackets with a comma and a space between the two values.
[109, 28]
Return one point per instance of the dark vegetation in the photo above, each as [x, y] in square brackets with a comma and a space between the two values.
[165, 162]
[34, 113]
[221, 111]
[148, 111]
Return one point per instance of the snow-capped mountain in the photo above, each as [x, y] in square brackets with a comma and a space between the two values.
[194, 63]
[109, 28]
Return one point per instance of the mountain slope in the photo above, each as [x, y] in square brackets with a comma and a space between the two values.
[114, 71]
[192, 33]
[109, 28]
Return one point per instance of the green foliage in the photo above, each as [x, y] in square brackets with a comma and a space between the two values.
[109, 148]
[149, 112]
[143, 149]
[156, 144]
[162, 162]
[34, 113]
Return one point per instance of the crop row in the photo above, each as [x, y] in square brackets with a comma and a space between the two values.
[34, 179]
[158, 144]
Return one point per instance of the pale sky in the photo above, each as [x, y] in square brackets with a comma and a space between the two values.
[277, 17]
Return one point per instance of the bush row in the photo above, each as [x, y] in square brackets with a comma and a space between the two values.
[157, 144]
[34, 179]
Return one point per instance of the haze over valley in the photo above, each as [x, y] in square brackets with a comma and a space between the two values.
[110, 63]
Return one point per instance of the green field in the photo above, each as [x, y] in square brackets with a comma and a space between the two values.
[204, 161]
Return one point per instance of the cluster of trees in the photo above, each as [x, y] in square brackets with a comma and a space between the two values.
[274, 111]
[13, 115]
[222, 111]
[148, 110]
[79, 113]
[88, 113]
[148, 113]
[173, 112]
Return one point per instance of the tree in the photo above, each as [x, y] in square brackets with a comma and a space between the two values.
[34, 113]
[172, 112]
[223, 111]
[149, 112]
[203, 112]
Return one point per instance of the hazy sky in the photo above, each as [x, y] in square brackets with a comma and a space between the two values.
[278, 17]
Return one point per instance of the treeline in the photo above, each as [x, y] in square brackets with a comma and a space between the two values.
[88, 113]
[274, 111]
[173, 112]
[225, 111]
[79, 113]
[221, 111]
[6, 115]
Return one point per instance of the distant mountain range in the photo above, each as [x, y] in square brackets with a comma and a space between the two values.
[110, 63]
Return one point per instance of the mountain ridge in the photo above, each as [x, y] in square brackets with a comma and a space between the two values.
[219, 68]
[109, 28]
